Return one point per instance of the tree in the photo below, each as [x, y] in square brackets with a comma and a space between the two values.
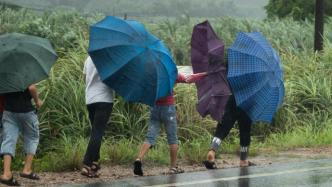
[298, 9]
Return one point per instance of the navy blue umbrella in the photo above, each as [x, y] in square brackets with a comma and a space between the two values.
[130, 60]
[255, 76]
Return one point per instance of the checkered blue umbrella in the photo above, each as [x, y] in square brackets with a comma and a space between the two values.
[255, 76]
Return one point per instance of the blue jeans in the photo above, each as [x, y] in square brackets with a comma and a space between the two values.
[166, 115]
[12, 125]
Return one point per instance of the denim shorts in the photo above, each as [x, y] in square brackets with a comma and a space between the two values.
[165, 114]
[12, 125]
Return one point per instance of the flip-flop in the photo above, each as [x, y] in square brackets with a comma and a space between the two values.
[210, 164]
[10, 182]
[32, 176]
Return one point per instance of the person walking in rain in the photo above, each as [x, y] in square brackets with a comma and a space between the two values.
[20, 116]
[164, 112]
[256, 79]
[99, 101]
[231, 115]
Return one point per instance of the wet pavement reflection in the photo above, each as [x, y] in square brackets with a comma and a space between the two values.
[304, 174]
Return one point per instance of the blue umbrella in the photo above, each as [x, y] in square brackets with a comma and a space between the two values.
[255, 76]
[130, 60]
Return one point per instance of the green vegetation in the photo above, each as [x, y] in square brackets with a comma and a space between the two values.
[145, 8]
[305, 118]
[297, 9]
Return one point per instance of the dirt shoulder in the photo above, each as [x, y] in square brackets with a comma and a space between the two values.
[110, 173]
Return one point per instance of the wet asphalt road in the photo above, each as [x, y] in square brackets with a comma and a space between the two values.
[314, 173]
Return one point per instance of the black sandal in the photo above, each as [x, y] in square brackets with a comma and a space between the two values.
[210, 164]
[32, 176]
[89, 172]
[10, 182]
[95, 166]
[175, 170]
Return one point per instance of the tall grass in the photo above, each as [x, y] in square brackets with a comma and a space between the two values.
[303, 120]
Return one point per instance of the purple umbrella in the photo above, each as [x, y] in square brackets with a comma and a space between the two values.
[207, 55]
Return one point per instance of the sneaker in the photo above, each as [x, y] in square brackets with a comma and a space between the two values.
[138, 168]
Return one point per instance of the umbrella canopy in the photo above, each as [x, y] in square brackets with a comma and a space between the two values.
[255, 76]
[24, 60]
[207, 55]
[130, 60]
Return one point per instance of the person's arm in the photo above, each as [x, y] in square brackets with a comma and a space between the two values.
[180, 79]
[195, 77]
[34, 94]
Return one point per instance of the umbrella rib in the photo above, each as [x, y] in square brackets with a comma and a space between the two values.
[49, 47]
[259, 42]
[111, 29]
[257, 90]
[262, 112]
[241, 52]
[124, 64]
[252, 72]
[170, 58]
[32, 53]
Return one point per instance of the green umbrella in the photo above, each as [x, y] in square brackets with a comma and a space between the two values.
[24, 60]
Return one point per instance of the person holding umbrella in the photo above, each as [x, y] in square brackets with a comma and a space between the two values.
[99, 101]
[164, 112]
[256, 79]
[231, 115]
[24, 61]
[139, 67]
[19, 115]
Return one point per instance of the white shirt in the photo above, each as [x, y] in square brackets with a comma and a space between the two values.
[95, 89]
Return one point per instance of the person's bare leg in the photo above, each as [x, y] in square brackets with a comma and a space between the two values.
[173, 153]
[144, 149]
[7, 173]
[28, 164]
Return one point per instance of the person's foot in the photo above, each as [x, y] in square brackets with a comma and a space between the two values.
[175, 170]
[31, 175]
[211, 155]
[210, 162]
[6, 177]
[246, 163]
[89, 172]
[95, 166]
[138, 167]
[9, 180]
